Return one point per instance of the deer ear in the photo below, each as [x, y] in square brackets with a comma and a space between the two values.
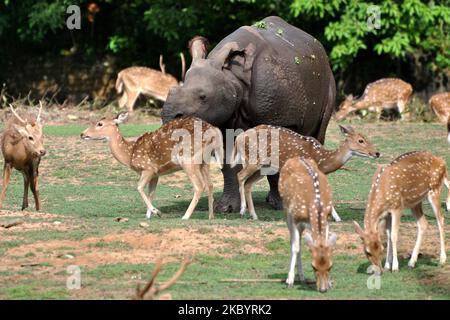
[21, 130]
[358, 229]
[121, 117]
[308, 238]
[332, 239]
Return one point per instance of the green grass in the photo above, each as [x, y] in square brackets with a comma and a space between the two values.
[85, 189]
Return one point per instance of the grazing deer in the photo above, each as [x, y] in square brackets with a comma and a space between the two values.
[134, 81]
[378, 95]
[22, 145]
[151, 291]
[440, 105]
[158, 153]
[306, 197]
[403, 184]
[249, 144]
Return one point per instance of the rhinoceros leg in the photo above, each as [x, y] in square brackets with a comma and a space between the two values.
[230, 200]
[273, 197]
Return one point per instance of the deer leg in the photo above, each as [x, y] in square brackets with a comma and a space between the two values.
[335, 215]
[146, 177]
[389, 255]
[209, 186]
[295, 250]
[421, 227]
[33, 177]
[434, 199]
[401, 108]
[195, 175]
[26, 186]
[447, 203]
[395, 224]
[132, 97]
[248, 193]
[242, 176]
[7, 168]
[123, 99]
[152, 187]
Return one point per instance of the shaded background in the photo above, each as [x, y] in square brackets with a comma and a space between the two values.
[38, 53]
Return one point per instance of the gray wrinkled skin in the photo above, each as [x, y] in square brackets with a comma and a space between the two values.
[276, 75]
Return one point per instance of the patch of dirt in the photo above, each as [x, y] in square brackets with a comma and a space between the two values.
[143, 247]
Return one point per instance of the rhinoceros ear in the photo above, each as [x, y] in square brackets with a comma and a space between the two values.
[242, 58]
[198, 48]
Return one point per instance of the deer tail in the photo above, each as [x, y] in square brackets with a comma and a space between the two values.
[218, 148]
[237, 153]
[119, 83]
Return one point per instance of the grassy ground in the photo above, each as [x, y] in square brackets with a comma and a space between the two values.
[84, 190]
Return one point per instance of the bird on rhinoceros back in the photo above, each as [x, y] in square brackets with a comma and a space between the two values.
[268, 73]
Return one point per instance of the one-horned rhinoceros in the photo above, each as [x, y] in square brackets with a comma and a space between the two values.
[268, 73]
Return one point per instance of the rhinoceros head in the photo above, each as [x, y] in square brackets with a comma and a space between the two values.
[210, 90]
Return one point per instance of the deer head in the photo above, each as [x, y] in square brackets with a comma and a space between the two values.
[321, 252]
[358, 144]
[373, 248]
[105, 128]
[30, 132]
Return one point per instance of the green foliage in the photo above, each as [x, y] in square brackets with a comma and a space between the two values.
[137, 32]
[414, 28]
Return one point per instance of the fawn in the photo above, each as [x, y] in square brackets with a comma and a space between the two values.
[249, 144]
[22, 144]
[306, 197]
[157, 153]
[381, 94]
[402, 184]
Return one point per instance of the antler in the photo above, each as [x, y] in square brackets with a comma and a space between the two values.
[151, 290]
[183, 66]
[162, 66]
[16, 115]
[38, 119]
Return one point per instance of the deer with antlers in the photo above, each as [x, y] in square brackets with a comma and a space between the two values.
[185, 143]
[306, 197]
[133, 81]
[268, 146]
[403, 184]
[151, 291]
[382, 94]
[22, 144]
[440, 105]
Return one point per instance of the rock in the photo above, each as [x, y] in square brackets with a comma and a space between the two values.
[120, 219]
[144, 225]
[56, 223]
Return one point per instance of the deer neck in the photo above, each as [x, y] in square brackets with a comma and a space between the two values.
[331, 160]
[121, 148]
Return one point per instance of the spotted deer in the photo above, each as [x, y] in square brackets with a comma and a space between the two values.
[381, 94]
[185, 143]
[440, 105]
[249, 144]
[22, 144]
[133, 81]
[403, 184]
[306, 197]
